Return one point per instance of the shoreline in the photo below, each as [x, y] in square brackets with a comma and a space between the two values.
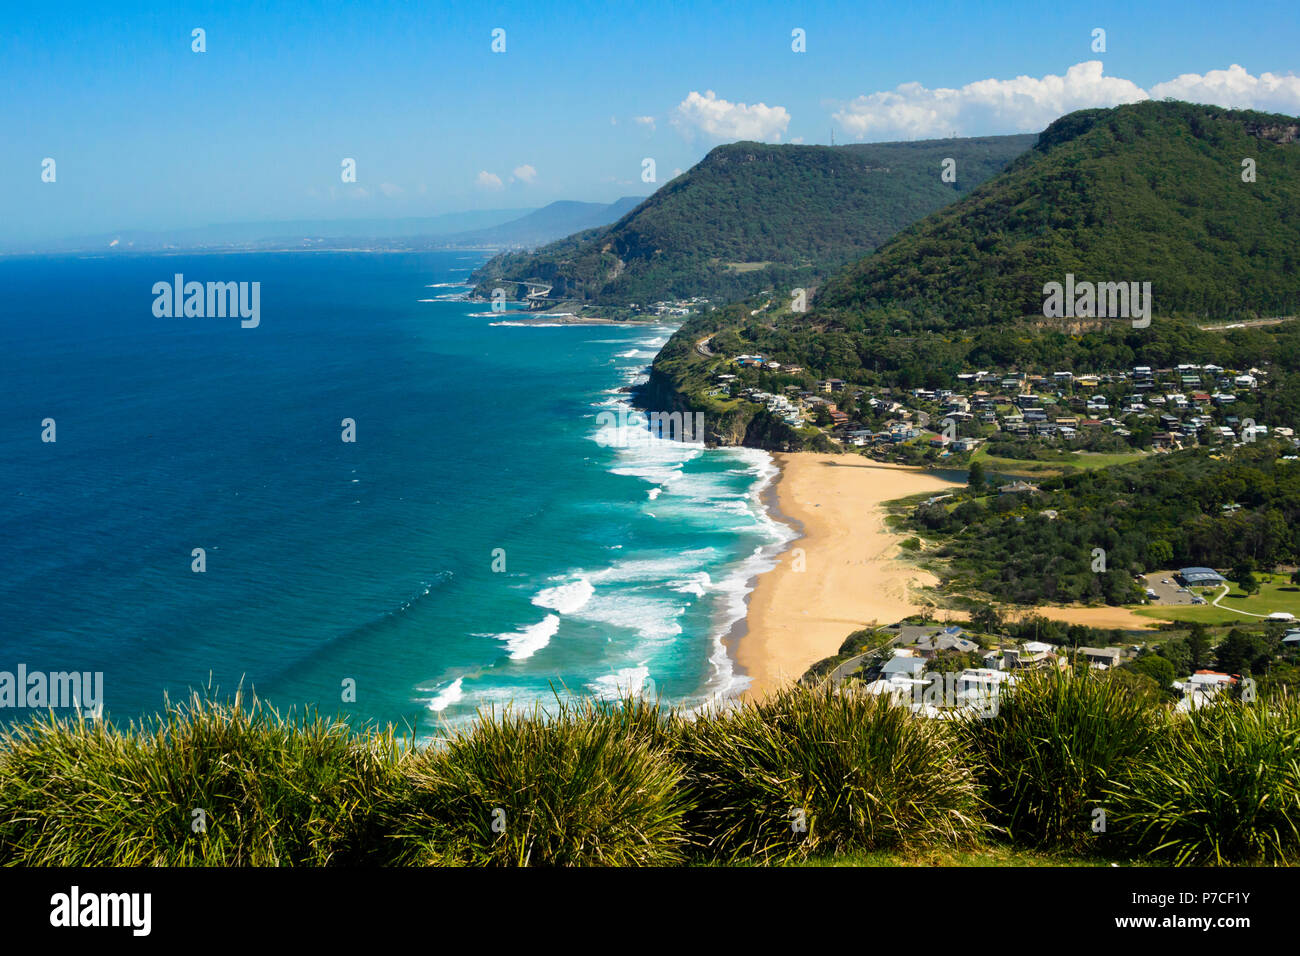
[850, 573]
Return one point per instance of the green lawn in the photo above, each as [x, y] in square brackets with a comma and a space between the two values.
[1077, 460]
[1276, 593]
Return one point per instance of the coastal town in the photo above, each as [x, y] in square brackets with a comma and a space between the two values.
[941, 670]
[1141, 408]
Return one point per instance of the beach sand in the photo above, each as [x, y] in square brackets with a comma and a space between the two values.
[851, 573]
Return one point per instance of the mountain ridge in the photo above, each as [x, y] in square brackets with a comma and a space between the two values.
[751, 216]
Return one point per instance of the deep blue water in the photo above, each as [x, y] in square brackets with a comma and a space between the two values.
[373, 560]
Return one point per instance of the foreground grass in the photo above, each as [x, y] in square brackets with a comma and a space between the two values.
[990, 855]
[1071, 770]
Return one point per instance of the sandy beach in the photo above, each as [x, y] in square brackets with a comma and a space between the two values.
[842, 574]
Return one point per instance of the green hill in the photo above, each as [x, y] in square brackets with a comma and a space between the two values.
[1151, 192]
[1145, 193]
[751, 216]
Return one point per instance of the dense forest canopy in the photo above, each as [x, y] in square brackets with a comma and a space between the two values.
[1151, 192]
[1162, 512]
[751, 216]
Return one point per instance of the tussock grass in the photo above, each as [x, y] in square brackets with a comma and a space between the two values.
[805, 774]
[585, 785]
[272, 791]
[1222, 787]
[813, 771]
[1055, 744]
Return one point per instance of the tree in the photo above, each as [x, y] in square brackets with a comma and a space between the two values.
[1198, 647]
[1242, 571]
[1155, 667]
[1242, 653]
[1295, 576]
[976, 478]
[1160, 553]
[986, 618]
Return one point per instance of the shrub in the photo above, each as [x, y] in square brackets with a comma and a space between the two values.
[1054, 744]
[586, 786]
[272, 791]
[856, 771]
[1222, 787]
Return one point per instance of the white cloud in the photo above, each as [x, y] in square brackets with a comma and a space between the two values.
[1028, 104]
[1025, 104]
[390, 190]
[486, 180]
[645, 121]
[1234, 87]
[722, 120]
[526, 173]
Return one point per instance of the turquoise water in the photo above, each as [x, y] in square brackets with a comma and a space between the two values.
[619, 559]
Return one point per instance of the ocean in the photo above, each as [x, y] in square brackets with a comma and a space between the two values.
[485, 540]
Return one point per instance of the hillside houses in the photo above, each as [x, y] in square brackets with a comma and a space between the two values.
[1160, 408]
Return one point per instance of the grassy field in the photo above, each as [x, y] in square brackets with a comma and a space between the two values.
[1057, 466]
[1276, 593]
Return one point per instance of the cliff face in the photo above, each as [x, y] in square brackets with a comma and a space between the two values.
[747, 425]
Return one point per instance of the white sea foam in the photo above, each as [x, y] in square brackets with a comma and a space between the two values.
[697, 584]
[566, 598]
[525, 642]
[625, 682]
[449, 695]
[652, 617]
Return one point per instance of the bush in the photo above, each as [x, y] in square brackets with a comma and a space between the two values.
[855, 771]
[1051, 749]
[587, 786]
[1222, 787]
[272, 792]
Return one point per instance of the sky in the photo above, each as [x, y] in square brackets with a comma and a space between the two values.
[148, 134]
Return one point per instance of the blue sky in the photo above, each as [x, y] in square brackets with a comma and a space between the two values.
[147, 134]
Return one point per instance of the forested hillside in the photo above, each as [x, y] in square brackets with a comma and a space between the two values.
[752, 216]
[1151, 192]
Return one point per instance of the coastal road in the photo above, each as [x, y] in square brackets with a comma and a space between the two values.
[845, 670]
[702, 346]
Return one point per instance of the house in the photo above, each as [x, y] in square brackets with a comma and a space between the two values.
[931, 645]
[1102, 658]
[1028, 654]
[904, 663]
[977, 687]
[1201, 688]
[1018, 488]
